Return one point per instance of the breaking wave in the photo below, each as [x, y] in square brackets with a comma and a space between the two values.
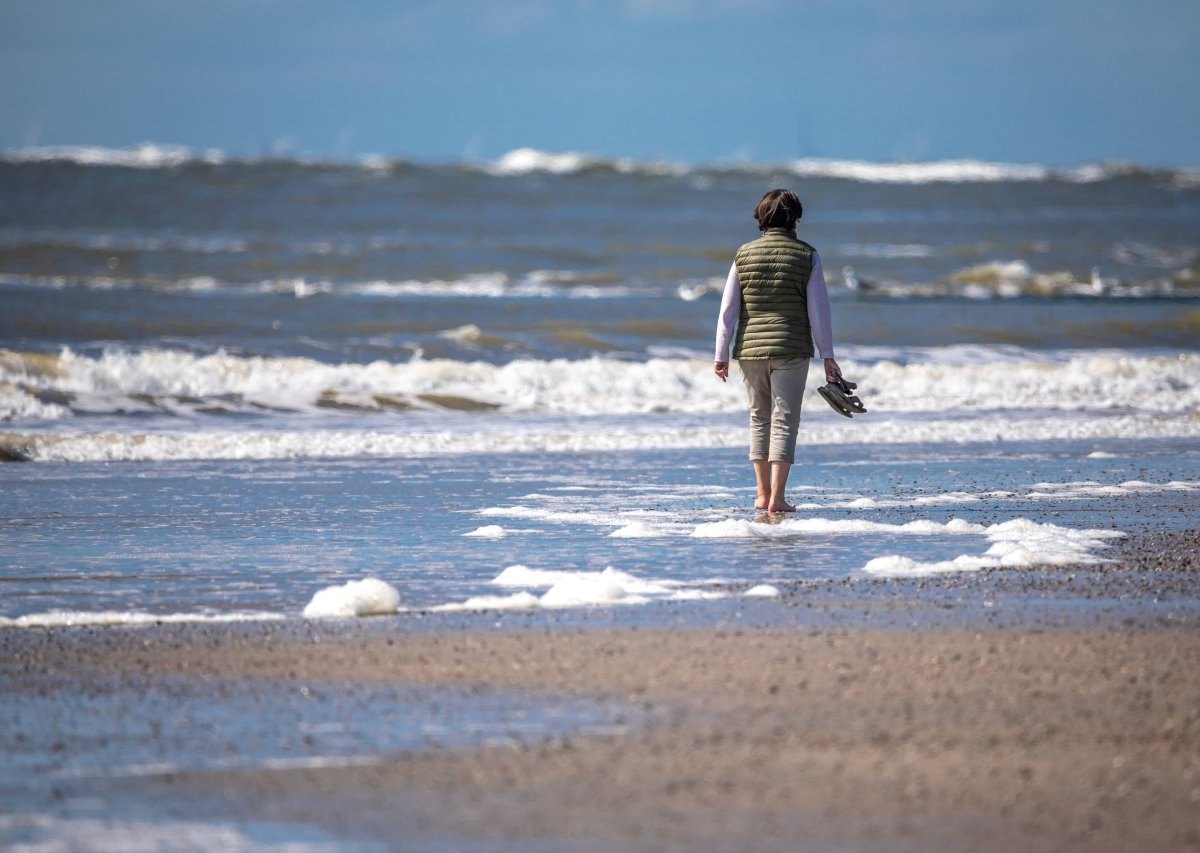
[966, 379]
[601, 435]
[525, 161]
[145, 156]
[167, 404]
[537, 284]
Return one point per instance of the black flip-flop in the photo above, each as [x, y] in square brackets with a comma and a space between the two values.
[839, 394]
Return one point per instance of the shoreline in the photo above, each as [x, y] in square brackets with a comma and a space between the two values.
[862, 731]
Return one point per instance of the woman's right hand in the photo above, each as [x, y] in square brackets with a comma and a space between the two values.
[721, 368]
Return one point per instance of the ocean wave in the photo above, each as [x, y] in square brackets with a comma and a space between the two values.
[578, 437]
[536, 284]
[525, 161]
[943, 171]
[1011, 279]
[21, 239]
[991, 280]
[958, 379]
[145, 156]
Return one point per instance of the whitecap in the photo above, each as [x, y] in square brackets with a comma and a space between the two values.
[1095, 387]
[941, 171]
[488, 531]
[145, 156]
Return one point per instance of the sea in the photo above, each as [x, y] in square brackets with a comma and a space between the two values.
[283, 388]
[378, 394]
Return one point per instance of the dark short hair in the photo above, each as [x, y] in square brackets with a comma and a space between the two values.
[778, 209]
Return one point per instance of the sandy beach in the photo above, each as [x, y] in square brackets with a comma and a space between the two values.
[1050, 732]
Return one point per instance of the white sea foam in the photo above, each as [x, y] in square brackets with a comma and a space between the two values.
[515, 601]
[524, 161]
[637, 530]
[763, 590]
[489, 285]
[572, 588]
[943, 171]
[1019, 542]
[736, 528]
[583, 589]
[144, 156]
[1091, 489]
[1016, 543]
[59, 446]
[488, 531]
[886, 250]
[130, 618]
[520, 575]
[19, 404]
[46, 832]
[962, 379]
[938, 499]
[366, 597]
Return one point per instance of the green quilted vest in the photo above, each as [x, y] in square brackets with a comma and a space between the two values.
[773, 271]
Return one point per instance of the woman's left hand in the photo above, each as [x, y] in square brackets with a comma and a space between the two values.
[832, 371]
[721, 368]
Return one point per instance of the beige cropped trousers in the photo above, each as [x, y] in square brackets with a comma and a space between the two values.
[775, 387]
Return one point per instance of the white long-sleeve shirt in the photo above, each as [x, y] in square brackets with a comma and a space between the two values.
[819, 317]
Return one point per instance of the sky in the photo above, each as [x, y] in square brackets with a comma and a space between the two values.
[1055, 82]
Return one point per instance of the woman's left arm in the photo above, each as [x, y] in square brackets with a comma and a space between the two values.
[820, 318]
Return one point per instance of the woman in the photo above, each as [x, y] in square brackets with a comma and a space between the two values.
[775, 297]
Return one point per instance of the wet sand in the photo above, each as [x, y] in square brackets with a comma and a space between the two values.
[959, 735]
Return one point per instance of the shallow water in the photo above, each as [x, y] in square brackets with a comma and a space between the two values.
[87, 758]
[240, 539]
[308, 373]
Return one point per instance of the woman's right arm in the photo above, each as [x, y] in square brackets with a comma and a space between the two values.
[731, 307]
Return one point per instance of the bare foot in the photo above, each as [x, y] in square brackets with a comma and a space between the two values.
[761, 503]
[781, 507]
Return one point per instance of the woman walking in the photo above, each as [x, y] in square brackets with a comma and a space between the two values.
[776, 299]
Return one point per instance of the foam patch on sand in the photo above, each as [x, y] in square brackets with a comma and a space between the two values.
[565, 588]
[763, 590]
[516, 601]
[519, 575]
[367, 597]
[1018, 543]
[79, 618]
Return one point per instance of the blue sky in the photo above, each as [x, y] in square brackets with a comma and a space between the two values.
[1061, 82]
